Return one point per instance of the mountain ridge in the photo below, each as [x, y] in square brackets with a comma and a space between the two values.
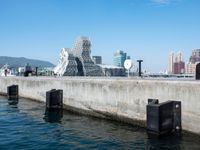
[15, 62]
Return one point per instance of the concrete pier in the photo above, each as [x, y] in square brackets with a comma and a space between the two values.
[115, 98]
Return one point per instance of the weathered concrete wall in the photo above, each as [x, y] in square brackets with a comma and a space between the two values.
[118, 97]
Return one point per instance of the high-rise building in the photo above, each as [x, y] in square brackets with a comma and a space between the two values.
[179, 67]
[171, 63]
[193, 61]
[179, 57]
[176, 65]
[97, 59]
[190, 68]
[195, 57]
[119, 58]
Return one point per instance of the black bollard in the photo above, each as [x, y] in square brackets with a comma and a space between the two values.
[12, 92]
[197, 75]
[36, 71]
[163, 118]
[54, 106]
[54, 99]
[140, 67]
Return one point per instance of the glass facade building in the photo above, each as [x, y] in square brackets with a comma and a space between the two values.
[119, 58]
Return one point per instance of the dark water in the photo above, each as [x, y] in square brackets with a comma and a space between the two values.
[24, 126]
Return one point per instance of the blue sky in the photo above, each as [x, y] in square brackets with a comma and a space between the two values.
[145, 29]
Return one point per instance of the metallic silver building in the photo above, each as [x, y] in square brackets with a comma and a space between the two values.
[77, 61]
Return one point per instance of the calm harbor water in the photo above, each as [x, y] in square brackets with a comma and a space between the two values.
[25, 126]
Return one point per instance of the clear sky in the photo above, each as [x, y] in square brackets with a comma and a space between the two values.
[145, 29]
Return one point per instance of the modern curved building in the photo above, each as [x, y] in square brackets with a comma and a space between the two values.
[77, 61]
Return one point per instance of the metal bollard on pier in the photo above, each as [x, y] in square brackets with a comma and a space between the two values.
[54, 99]
[12, 92]
[54, 106]
[197, 74]
[163, 118]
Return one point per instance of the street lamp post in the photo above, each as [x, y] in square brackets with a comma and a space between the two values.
[140, 67]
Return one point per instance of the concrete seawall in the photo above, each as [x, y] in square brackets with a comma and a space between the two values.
[118, 98]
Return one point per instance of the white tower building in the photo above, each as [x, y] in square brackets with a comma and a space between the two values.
[171, 62]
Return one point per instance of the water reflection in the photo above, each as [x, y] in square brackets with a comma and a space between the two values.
[53, 115]
[165, 142]
[13, 102]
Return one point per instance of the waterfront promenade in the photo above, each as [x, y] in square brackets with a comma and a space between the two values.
[123, 99]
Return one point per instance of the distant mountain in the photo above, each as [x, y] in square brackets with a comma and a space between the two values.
[21, 62]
